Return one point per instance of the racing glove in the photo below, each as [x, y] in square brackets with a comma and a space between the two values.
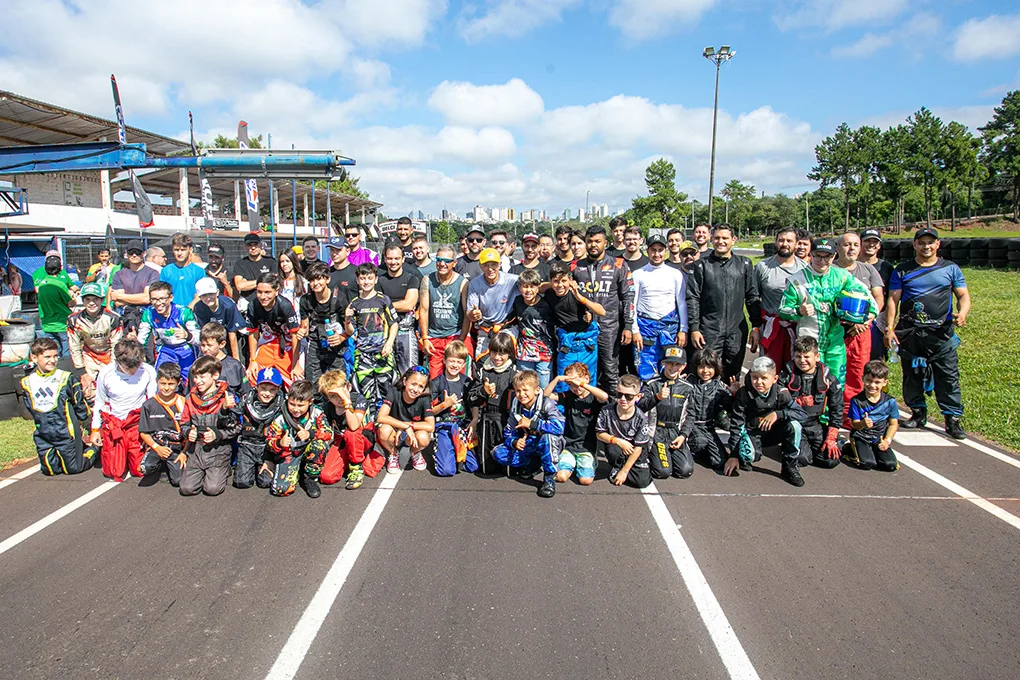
[829, 447]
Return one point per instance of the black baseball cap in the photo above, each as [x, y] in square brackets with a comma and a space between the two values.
[252, 237]
[674, 353]
[475, 230]
[653, 239]
[823, 245]
[871, 233]
[135, 244]
[926, 231]
[215, 249]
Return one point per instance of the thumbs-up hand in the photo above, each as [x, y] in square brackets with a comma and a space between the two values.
[490, 388]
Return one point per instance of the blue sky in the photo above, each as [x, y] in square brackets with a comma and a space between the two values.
[522, 103]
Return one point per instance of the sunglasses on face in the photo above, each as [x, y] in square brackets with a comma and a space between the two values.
[475, 239]
[352, 235]
[499, 243]
[444, 260]
[624, 396]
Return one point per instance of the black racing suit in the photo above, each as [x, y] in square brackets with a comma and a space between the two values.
[747, 438]
[58, 406]
[252, 451]
[608, 282]
[208, 463]
[672, 419]
[710, 398]
[818, 405]
[718, 289]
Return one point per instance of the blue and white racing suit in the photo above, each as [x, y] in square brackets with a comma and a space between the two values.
[543, 437]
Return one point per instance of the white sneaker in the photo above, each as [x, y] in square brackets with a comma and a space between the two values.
[393, 464]
[418, 461]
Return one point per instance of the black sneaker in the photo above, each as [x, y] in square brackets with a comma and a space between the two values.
[311, 487]
[917, 420]
[954, 429]
[745, 466]
[723, 422]
[548, 488]
[791, 473]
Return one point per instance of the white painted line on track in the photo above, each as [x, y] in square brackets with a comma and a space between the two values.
[55, 516]
[1007, 517]
[7, 481]
[300, 640]
[732, 653]
[977, 446]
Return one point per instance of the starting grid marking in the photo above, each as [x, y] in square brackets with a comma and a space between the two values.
[7, 481]
[55, 516]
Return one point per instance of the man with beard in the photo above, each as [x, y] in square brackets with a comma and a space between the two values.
[720, 286]
[660, 309]
[545, 247]
[803, 247]
[216, 269]
[618, 228]
[530, 248]
[632, 254]
[563, 252]
[422, 255]
[400, 283]
[871, 245]
[358, 253]
[674, 240]
[247, 270]
[607, 281]
[773, 273]
[702, 238]
[857, 336]
[405, 238]
[467, 264]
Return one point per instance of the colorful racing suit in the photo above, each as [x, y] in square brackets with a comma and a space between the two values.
[299, 457]
[208, 463]
[543, 437]
[58, 406]
[818, 405]
[170, 348]
[608, 281]
[252, 450]
[91, 341]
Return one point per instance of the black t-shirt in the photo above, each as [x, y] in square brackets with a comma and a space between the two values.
[471, 269]
[568, 312]
[580, 414]
[338, 421]
[345, 281]
[615, 252]
[251, 271]
[542, 268]
[675, 265]
[634, 430]
[319, 313]
[395, 288]
[415, 412]
[535, 341]
[885, 270]
[638, 263]
[443, 386]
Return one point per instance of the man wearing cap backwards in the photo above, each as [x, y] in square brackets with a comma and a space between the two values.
[467, 264]
[857, 336]
[248, 269]
[217, 270]
[922, 291]
[773, 274]
[531, 260]
[660, 309]
[720, 285]
[359, 254]
[490, 298]
[91, 336]
[812, 300]
[129, 288]
[871, 245]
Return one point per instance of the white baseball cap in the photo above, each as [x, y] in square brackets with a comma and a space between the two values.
[206, 285]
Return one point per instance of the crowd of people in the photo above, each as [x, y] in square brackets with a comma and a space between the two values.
[300, 371]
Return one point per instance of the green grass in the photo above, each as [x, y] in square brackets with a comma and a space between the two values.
[989, 358]
[16, 441]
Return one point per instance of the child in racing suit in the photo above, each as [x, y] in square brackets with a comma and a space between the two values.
[210, 427]
[91, 335]
[299, 438]
[259, 407]
[761, 417]
[159, 426]
[818, 403]
[489, 394]
[671, 397]
[874, 419]
[371, 320]
[353, 449]
[172, 327]
[533, 434]
[710, 398]
[57, 404]
[448, 406]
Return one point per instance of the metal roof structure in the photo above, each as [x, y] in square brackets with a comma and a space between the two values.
[27, 122]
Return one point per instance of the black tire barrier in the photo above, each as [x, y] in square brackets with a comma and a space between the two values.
[1013, 245]
[998, 243]
[978, 262]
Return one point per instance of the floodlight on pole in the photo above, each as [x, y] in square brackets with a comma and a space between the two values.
[724, 54]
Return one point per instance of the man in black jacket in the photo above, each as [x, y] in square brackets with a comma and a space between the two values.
[718, 289]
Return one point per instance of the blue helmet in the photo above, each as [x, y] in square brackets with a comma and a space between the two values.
[270, 375]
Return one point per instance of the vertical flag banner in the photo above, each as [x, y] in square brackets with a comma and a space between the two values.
[251, 189]
[207, 201]
[143, 206]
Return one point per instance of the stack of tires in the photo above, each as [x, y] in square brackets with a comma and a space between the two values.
[998, 253]
[959, 251]
[1013, 253]
[979, 252]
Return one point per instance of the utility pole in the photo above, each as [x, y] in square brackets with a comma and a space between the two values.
[723, 55]
[807, 213]
[587, 193]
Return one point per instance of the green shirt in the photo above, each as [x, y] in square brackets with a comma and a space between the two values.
[53, 297]
[40, 274]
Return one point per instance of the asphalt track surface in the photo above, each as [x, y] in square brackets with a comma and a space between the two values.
[855, 575]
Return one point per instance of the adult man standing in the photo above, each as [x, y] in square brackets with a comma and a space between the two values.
[400, 284]
[660, 309]
[498, 240]
[422, 255]
[490, 297]
[773, 274]
[857, 336]
[216, 269]
[618, 228]
[54, 300]
[607, 281]
[467, 264]
[441, 300]
[248, 269]
[545, 247]
[530, 248]
[871, 245]
[632, 254]
[129, 289]
[803, 248]
[43, 272]
[358, 253]
[689, 254]
[405, 237]
[812, 300]
[309, 253]
[563, 252]
[922, 291]
[720, 286]
[675, 239]
[182, 274]
[703, 238]
[342, 277]
[101, 272]
[155, 259]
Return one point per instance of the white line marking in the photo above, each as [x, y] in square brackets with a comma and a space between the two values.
[7, 481]
[991, 508]
[294, 651]
[55, 516]
[732, 653]
[988, 451]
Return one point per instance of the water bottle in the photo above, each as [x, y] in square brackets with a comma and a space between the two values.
[894, 354]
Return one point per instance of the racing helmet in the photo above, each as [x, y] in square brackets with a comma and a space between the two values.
[852, 306]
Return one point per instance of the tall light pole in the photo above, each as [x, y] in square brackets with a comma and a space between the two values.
[723, 55]
[587, 193]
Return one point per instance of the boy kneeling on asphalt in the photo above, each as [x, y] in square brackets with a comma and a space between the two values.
[874, 417]
[159, 427]
[210, 427]
[761, 417]
[533, 434]
[299, 438]
[581, 404]
[259, 408]
[624, 429]
[818, 403]
[671, 397]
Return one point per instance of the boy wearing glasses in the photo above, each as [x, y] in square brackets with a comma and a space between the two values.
[624, 431]
[173, 328]
[442, 299]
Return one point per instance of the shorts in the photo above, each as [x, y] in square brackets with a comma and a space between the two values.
[581, 462]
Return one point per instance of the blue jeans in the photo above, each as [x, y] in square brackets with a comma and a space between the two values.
[61, 338]
[543, 368]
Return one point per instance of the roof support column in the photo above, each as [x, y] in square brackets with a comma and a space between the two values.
[237, 201]
[306, 210]
[185, 199]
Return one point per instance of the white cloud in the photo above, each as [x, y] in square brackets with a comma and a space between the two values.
[642, 19]
[973, 116]
[868, 45]
[510, 17]
[919, 26]
[369, 74]
[512, 103]
[994, 37]
[474, 146]
[836, 14]
[394, 24]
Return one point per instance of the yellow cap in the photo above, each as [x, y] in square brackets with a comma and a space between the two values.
[687, 245]
[489, 255]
